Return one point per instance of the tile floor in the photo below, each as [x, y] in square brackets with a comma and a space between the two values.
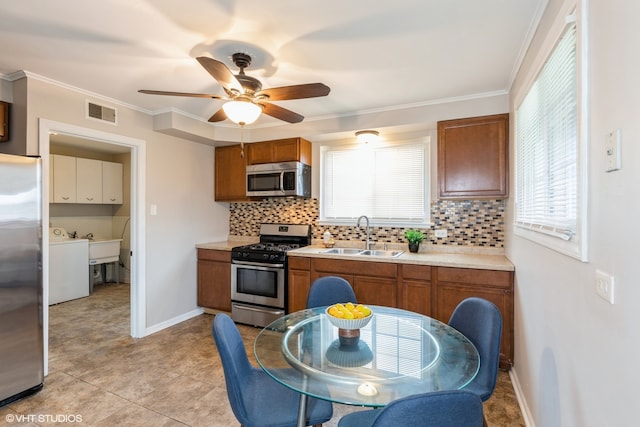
[101, 376]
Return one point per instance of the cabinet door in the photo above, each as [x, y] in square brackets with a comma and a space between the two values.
[415, 288]
[259, 153]
[112, 183]
[473, 158]
[230, 174]
[64, 178]
[292, 150]
[214, 279]
[4, 121]
[376, 290]
[299, 285]
[89, 181]
[457, 284]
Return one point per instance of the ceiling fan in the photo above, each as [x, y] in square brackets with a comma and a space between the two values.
[246, 98]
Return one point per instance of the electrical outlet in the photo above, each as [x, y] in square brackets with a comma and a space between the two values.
[604, 286]
[441, 233]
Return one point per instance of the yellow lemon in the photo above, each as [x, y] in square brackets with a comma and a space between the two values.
[364, 309]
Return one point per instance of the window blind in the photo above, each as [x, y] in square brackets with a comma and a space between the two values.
[547, 146]
[387, 183]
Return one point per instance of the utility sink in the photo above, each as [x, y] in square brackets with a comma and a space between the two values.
[351, 251]
[104, 251]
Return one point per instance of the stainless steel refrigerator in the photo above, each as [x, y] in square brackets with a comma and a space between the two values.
[21, 345]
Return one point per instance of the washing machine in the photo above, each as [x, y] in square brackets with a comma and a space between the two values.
[68, 261]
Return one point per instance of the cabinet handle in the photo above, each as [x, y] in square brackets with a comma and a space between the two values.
[65, 198]
[112, 199]
[89, 198]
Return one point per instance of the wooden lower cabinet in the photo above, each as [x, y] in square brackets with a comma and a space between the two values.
[299, 283]
[415, 288]
[432, 291]
[374, 283]
[214, 279]
[456, 284]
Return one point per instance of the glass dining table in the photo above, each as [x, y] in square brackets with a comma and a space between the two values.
[398, 353]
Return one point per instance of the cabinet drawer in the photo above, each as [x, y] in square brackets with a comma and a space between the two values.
[299, 263]
[502, 279]
[214, 255]
[417, 272]
[360, 268]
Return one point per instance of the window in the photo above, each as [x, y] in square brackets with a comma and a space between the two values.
[548, 156]
[387, 183]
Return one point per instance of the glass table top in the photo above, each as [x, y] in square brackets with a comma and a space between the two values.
[397, 354]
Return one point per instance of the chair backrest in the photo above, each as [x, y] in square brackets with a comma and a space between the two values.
[330, 290]
[235, 362]
[449, 408]
[481, 322]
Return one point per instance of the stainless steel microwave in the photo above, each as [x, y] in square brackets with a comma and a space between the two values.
[279, 179]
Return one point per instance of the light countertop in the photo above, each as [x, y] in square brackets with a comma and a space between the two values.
[437, 259]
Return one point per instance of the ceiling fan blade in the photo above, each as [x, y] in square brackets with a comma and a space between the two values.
[221, 73]
[309, 90]
[193, 95]
[280, 113]
[218, 116]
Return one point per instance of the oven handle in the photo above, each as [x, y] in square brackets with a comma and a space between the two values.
[259, 310]
[257, 264]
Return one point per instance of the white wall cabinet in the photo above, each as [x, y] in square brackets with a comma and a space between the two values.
[77, 180]
[63, 176]
[88, 181]
[112, 183]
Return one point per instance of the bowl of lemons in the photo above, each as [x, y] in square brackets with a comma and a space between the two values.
[349, 315]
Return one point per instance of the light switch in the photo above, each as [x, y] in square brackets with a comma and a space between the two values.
[153, 210]
[612, 148]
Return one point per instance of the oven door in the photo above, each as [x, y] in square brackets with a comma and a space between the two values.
[257, 283]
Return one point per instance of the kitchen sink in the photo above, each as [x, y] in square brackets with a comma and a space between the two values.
[343, 251]
[352, 251]
[381, 253]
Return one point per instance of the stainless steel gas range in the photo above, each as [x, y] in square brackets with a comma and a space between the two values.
[259, 273]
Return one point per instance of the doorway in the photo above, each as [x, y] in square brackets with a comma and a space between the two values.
[137, 150]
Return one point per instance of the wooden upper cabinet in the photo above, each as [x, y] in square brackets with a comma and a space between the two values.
[279, 150]
[230, 174]
[473, 157]
[4, 121]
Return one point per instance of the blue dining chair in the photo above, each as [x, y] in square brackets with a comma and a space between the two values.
[330, 290]
[481, 322]
[448, 408]
[257, 400]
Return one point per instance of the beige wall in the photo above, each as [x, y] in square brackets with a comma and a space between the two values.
[575, 354]
[179, 181]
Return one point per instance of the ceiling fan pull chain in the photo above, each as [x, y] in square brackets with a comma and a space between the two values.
[241, 141]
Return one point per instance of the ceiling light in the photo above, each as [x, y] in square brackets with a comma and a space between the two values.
[242, 112]
[367, 136]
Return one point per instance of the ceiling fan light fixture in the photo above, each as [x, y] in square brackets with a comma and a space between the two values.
[367, 136]
[242, 112]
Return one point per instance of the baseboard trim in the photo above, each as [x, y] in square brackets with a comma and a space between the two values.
[522, 402]
[171, 322]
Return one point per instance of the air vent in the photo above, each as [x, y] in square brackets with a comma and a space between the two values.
[100, 112]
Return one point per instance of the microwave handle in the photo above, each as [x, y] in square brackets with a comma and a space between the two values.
[282, 182]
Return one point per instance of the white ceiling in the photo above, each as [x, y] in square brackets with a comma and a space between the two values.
[372, 54]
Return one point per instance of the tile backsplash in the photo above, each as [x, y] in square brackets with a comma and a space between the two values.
[468, 222]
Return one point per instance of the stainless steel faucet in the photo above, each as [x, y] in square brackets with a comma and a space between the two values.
[367, 244]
